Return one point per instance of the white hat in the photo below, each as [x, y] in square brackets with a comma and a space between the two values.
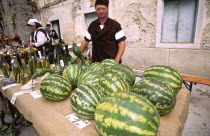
[32, 22]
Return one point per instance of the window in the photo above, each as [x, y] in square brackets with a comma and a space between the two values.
[90, 17]
[56, 26]
[179, 18]
[179, 23]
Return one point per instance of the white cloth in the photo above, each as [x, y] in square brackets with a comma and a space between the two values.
[102, 26]
[41, 38]
[33, 22]
[119, 35]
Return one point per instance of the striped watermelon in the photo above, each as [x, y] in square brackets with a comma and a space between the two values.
[89, 77]
[124, 71]
[108, 63]
[55, 87]
[126, 114]
[165, 74]
[111, 82]
[84, 100]
[97, 67]
[159, 93]
[73, 72]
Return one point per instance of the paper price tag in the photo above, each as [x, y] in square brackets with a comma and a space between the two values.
[14, 96]
[36, 94]
[78, 121]
[62, 63]
[9, 86]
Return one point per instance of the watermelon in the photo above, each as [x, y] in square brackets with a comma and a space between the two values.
[124, 71]
[111, 82]
[89, 77]
[97, 67]
[84, 100]
[159, 93]
[126, 114]
[55, 87]
[108, 63]
[165, 74]
[73, 72]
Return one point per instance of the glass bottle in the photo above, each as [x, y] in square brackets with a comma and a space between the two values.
[47, 63]
[34, 64]
[28, 72]
[44, 62]
[38, 63]
[16, 70]
[23, 72]
[5, 70]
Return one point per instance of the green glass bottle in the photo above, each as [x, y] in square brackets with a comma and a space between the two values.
[47, 64]
[38, 63]
[16, 70]
[5, 70]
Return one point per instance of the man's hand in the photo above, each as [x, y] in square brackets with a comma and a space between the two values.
[78, 61]
[31, 44]
[121, 50]
[117, 60]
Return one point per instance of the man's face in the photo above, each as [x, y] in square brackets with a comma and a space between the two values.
[33, 28]
[101, 11]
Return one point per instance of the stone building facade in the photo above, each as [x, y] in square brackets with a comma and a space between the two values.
[14, 15]
[143, 23]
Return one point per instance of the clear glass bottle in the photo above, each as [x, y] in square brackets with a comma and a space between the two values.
[33, 64]
[44, 62]
[47, 64]
[16, 70]
[23, 72]
[28, 72]
[5, 70]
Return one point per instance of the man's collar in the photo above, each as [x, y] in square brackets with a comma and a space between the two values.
[104, 23]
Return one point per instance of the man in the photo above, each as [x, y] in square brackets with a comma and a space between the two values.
[47, 29]
[39, 37]
[106, 35]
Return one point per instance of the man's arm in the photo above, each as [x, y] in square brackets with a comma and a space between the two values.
[84, 44]
[121, 49]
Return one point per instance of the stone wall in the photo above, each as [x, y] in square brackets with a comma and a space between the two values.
[138, 19]
[206, 31]
[7, 15]
[15, 14]
[189, 62]
[61, 11]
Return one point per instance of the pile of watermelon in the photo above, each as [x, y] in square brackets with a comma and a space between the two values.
[107, 92]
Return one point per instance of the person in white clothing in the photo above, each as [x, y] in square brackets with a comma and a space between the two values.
[39, 37]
